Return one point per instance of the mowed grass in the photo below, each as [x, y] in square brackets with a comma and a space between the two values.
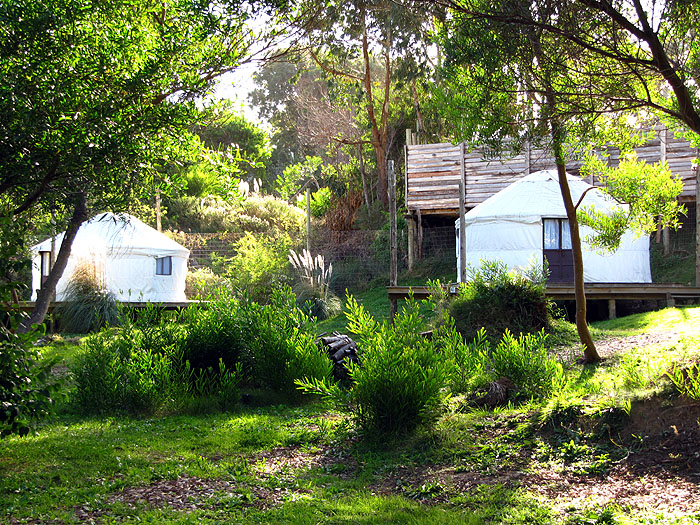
[307, 464]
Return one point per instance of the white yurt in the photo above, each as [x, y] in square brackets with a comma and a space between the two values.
[134, 261]
[526, 221]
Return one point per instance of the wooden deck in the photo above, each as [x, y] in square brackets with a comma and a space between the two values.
[28, 306]
[670, 293]
[433, 171]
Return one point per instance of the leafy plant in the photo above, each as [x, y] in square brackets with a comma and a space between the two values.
[314, 292]
[26, 382]
[399, 383]
[686, 381]
[525, 361]
[281, 343]
[259, 265]
[497, 299]
[88, 305]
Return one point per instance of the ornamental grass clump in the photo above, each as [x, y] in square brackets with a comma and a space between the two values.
[87, 305]
[399, 383]
[313, 292]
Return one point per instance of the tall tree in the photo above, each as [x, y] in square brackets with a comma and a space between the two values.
[95, 97]
[511, 78]
[371, 45]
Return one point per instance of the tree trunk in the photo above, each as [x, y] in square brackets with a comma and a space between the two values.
[590, 354]
[43, 298]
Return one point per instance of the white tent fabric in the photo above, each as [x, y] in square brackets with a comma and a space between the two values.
[124, 252]
[508, 227]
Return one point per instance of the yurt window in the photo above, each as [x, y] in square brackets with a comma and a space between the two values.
[557, 235]
[164, 266]
[45, 265]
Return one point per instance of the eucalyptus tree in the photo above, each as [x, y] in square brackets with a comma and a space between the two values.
[510, 77]
[370, 46]
[96, 97]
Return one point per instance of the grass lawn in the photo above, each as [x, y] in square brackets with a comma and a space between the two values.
[614, 446]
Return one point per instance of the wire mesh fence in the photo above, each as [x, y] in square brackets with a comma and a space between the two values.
[361, 258]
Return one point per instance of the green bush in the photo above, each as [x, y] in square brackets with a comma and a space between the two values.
[499, 300]
[140, 367]
[87, 305]
[26, 383]
[260, 265]
[400, 380]
[203, 282]
[315, 303]
[466, 362]
[213, 333]
[281, 344]
[525, 361]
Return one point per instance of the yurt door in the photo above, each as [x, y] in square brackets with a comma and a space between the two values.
[557, 250]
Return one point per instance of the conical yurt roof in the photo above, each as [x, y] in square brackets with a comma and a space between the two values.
[120, 234]
[534, 196]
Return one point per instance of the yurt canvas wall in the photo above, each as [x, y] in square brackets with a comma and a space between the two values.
[527, 221]
[134, 261]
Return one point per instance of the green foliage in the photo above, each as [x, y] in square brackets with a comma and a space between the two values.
[87, 305]
[26, 383]
[497, 299]
[141, 367]
[259, 266]
[321, 202]
[281, 344]
[398, 384]
[262, 215]
[213, 334]
[203, 282]
[467, 362]
[296, 175]
[526, 362]
[317, 304]
[686, 381]
[649, 190]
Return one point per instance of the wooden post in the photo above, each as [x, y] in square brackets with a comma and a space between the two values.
[528, 152]
[612, 311]
[419, 220]
[670, 301]
[411, 223]
[308, 218]
[462, 221]
[663, 137]
[393, 274]
[697, 222]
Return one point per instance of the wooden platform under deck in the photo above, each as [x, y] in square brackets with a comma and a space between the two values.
[28, 306]
[594, 291]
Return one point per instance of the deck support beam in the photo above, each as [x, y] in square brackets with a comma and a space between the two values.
[612, 309]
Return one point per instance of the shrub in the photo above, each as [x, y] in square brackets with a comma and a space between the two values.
[87, 305]
[399, 382]
[497, 299]
[314, 303]
[281, 344]
[140, 367]
[259, 266]
[525, 361]
[26, 383]
[204, 282]
[466, 362]
[313, 294]
[213, 334]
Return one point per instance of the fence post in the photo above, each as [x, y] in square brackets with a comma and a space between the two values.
[462, 221]
[393, 277]
[308, 219]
